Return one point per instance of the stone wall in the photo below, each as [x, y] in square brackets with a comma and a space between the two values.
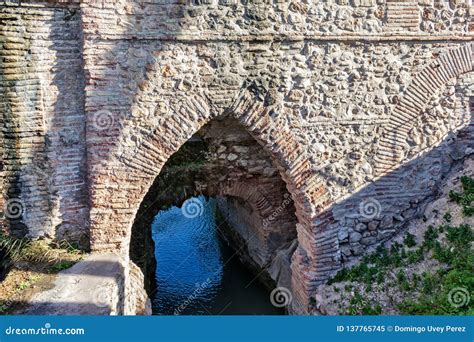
[98, 285]
[239, 171]
[42, 107]
[263, 18]
[363, 106]
[256, 212]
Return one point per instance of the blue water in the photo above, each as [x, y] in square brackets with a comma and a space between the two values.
[197, 273]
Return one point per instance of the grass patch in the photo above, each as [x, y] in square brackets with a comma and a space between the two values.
[40, 251]
[62, 265]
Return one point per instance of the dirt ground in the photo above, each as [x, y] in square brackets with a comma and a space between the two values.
[26, 278]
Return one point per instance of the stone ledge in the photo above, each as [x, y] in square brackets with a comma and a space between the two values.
[386, 37]
[99, 285]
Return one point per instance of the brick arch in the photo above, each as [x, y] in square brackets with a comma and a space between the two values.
[115, 200]
[254, 195]
[446, 67]
[317, 254]
[264, 216]
[288, 154]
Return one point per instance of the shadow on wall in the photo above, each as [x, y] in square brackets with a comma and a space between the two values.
[106, 278]
[57, 169]
[67, 133]
[46, 189]
[376, 212]
[350, 226]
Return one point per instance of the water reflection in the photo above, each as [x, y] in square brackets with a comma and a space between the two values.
[197, 273]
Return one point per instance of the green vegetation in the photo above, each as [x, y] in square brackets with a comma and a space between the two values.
[360, 305]
[12, 247]
[190, 157]
[24, 285]
[62, 265]
[465, 199]
[15, 250]
[409, 240]
[374, 267]
[438, 288]
[447, 291]
[26, 262]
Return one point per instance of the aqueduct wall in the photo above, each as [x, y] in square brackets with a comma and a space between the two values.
[363, 105]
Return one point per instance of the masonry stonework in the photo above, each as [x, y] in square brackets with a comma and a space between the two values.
[362, 106]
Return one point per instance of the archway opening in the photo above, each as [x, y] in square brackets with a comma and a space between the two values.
[223, 183]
